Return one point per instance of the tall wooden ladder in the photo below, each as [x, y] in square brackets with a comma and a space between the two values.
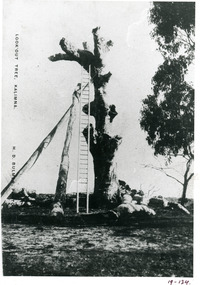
[83, 146]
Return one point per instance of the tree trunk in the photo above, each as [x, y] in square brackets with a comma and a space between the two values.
[183, 197]
[102, 145]
[61, 187]
[186, 180]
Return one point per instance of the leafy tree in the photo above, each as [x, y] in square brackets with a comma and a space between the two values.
[168, 114]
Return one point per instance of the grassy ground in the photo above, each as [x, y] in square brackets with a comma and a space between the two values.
[99, 251]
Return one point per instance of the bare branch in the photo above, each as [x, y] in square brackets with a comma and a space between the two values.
[151, 191]
[173, 178]
[191, 175]
[161, 169]
[68, 48]
[60, 56]
[185, 37]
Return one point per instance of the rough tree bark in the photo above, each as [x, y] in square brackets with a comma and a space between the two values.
[102, 145]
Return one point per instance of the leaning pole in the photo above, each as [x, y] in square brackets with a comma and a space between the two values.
[60, 195]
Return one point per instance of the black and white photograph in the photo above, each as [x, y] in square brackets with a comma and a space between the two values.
[97, 160]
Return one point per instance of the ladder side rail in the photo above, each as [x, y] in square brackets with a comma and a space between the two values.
[79, 142]
[88, 145]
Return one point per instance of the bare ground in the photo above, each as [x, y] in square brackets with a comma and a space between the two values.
[98, 251]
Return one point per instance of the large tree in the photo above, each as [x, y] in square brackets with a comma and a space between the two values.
[102, 145]
[167, 115]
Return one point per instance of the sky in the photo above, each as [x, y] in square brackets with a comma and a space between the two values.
[45, 89]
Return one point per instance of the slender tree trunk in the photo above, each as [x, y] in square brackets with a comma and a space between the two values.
[61, 187]
[183, 197]
[186, 180]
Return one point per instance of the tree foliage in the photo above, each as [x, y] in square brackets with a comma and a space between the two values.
[174, 27]
[168, 114]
